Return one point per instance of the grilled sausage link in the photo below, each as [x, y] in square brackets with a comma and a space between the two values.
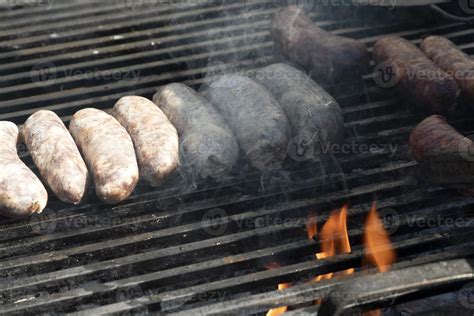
[56, 155]
[328, 57]
[154, 137]
[316, 118]
[455, 62]
[209, 147]
[445, 155]
[108, 151]
[21, 192]
[416, 77]
[256, 118]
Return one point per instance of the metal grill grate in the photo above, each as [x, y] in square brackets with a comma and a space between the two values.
[155, 252]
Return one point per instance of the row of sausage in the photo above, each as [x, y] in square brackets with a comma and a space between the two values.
[437, 76]
[256, 114]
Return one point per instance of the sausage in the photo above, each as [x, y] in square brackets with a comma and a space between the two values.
[416, 77]
[154, 137]
[21, 192]
[108, 151]
[445, 155]
[329, 58]
[56, 155]
[257, 120]
[316, 118]
[455, 62]
[208, 145]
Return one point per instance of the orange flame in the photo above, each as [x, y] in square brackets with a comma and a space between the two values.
[379, 250]
[311, 225]
[334, 239]
[280, 310]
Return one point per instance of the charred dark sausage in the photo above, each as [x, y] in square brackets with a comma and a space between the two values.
[445, 155]
[415, 76]
[454, 61]
[328, 57]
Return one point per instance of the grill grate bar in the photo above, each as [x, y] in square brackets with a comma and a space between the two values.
[138, 21]
[147, 237]
[46, 100]
[292, 296]
[308, 183]
[159, 276]
[74, 272]
[104, 266]
[173, 300]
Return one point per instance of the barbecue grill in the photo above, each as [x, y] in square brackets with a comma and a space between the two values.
[201, 247]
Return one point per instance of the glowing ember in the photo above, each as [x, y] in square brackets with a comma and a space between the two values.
[280, 310]
[379, 251]
[334, 239]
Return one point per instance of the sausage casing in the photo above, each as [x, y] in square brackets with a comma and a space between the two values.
[416, 77]
[329, 58]
[316, 118]
[445, 155]
[256, 118]
[56, 155]
[21, 192]
[208, 146]
[455, 62]
[154, 137]
[108, 151]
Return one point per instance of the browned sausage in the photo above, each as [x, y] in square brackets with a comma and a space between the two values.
[415, 76]
[155, 138]
[328, 57]
[452, 60]
[56, 155]
[445, 155]
[108, 151]
[21, 192]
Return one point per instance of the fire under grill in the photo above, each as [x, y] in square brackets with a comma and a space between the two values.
[224, 247]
